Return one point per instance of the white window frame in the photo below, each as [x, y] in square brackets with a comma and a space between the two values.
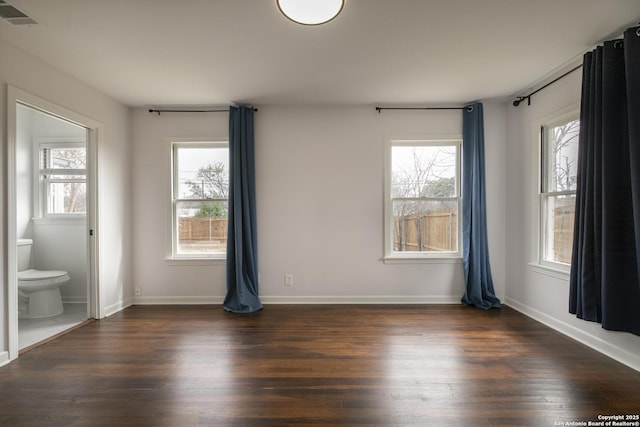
[175, 145]
[391, 256]
[43, 177]
[565, 116]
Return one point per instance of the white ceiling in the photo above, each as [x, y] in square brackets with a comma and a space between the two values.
[212, 52]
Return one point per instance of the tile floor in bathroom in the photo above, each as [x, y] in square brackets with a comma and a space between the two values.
[32, 331]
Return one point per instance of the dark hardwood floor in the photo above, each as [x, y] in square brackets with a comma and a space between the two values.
[417, 365]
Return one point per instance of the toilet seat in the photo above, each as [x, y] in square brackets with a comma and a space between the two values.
[34, 279]
[30, 275]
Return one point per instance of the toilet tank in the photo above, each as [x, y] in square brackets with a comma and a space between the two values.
[24, 254]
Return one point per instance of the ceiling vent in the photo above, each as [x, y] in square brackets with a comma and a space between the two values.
[13, 15]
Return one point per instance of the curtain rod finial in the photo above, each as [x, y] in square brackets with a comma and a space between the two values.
[519, 99]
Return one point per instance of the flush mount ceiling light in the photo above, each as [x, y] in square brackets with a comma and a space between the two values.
[310, 12]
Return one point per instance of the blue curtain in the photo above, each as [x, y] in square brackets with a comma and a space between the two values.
[475, 249]
[604, 282]
[242, 246]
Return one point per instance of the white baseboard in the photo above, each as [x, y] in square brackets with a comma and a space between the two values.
[361, 299]
[4, 358]
[279, 299]
[596, 343]
[178, 300]
[74, 300]
[119, 306]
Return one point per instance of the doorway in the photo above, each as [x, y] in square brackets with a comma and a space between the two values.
[52, 217]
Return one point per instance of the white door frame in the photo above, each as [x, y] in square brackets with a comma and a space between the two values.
[94, 307]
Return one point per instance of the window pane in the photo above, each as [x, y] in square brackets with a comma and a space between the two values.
[562, 156]
[202, 173]
[65, 158]
[202, 227]
[559, 214]
[67, 197]
[423, 171]
[421, 226]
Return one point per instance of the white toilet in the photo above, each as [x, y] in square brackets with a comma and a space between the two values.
[38, 290]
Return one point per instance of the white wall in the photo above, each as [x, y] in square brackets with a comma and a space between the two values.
[63, 246]
[157, 278]
[32, 75]
[320, 198]
[24, 173]
[532, 290]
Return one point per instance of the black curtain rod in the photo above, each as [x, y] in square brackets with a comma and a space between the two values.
[151, 110]
[379, 109]
[519, 99]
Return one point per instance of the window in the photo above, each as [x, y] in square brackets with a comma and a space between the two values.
[422, 199]
[559, 165]
[63, 179]
[200, 194]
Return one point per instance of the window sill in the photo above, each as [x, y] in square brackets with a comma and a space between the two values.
[195, 262]
[557, 273]
[79, 219]
[453, 259]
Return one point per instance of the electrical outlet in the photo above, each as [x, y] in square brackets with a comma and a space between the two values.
[137, 292]
[288, 279]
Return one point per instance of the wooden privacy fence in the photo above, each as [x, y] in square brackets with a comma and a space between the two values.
[429, 231]
[563, 219]
[202, 229]
[438, 231]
